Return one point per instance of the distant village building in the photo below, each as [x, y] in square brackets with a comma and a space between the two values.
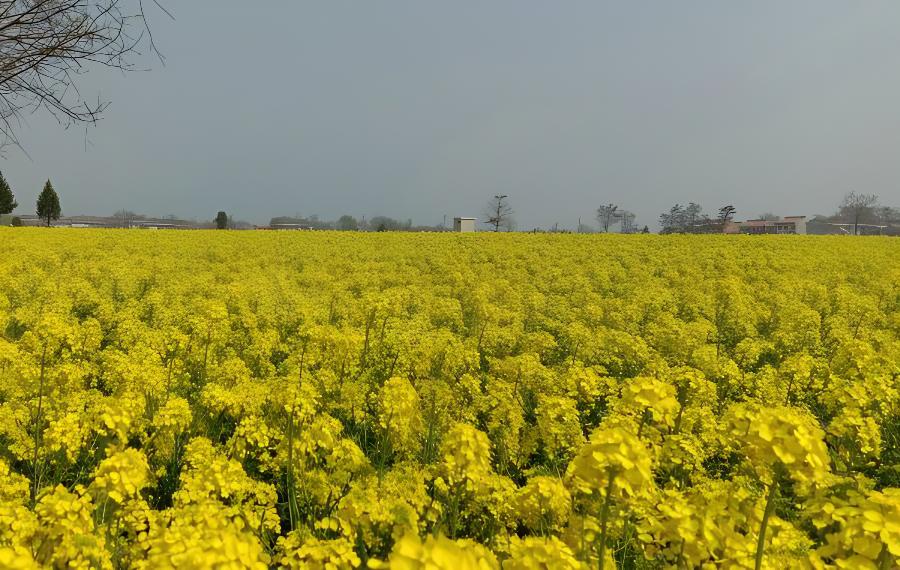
[290, 226]
[785, 225]
[464, 225]
[116, 222]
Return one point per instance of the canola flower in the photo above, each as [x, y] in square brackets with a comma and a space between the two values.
[341, 400]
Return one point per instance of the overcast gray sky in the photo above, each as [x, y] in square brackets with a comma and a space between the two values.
[420, 109]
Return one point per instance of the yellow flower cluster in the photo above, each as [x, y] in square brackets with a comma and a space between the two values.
[612, 462]
[543, 504]
[440, 553]
[650, 400]
[559, 426]
[66, 534]
[399, 415]
[867, 531]
[198, 536]
[534, 553]
[778, 438]
[347, 400]
[466, 455]
[313, 553]
[121, 476]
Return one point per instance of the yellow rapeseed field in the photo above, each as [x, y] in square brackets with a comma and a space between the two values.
[343, 400]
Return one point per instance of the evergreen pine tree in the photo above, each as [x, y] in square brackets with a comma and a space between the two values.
[48, 204]
[222, 221]
[7, 200]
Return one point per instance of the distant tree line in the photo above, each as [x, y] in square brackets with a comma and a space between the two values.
[350, 223]
[860, 213]
[690, 219]
[857, 210]
[857, 214]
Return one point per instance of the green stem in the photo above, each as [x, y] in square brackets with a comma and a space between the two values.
[644, 417]
[884, 558]
[293, 509]
[454, 510]
[604, 518]
[770, 506]
[36, 484]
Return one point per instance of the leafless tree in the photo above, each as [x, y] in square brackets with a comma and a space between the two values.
[608, 215]
[888, 215]
[46, 44]
[627, 225]
[499, 213]
[858, 209]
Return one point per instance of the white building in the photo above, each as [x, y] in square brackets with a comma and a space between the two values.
[464, 225]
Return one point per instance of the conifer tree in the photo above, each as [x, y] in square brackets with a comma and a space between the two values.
[48, 204]
[7, 199]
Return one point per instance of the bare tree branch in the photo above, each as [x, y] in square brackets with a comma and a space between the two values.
[858, 209]
[499, 213]
[45, 45]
